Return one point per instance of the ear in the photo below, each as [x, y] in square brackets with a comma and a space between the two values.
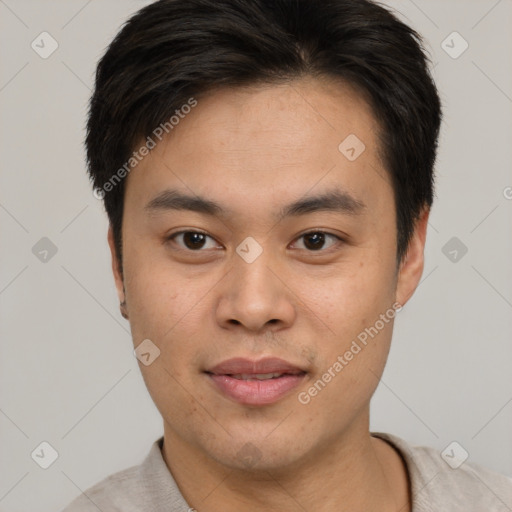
[118, 276]
[411, 267]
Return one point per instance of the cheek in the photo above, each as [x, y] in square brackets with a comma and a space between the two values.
[171, 391]
[349, 305]
[348, 298]
[351, 362]
[161, 300]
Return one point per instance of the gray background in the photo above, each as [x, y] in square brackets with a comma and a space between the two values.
[67, 371]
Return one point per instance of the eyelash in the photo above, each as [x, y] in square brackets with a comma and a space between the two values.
[311, 232]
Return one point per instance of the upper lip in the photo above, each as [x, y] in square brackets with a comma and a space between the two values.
[239, 365]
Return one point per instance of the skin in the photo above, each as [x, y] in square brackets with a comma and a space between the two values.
[254, 150]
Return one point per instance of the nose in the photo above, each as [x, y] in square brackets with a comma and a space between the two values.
[256, 296]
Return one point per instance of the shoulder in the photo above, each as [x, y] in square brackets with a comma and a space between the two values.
[449, 482]
[115, 493]
[147, 486]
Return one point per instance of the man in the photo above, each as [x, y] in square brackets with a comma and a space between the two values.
[267, 170]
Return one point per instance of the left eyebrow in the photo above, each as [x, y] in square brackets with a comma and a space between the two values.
[333, 201]
[337, 201]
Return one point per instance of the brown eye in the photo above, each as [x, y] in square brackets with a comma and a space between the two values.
[192, 240]
[316, 240]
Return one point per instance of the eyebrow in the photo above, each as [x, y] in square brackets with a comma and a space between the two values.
[337, 201]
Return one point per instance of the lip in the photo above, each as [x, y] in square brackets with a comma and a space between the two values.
[255, 392]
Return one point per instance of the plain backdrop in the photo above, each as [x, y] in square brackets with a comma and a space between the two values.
[68, 376]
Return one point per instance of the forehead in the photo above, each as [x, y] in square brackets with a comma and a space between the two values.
[261, 142]
[289, 120]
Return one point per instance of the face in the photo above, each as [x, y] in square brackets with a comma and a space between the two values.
[258, 289]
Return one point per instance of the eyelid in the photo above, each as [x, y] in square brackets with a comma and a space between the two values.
[190, 230]
[320, 230]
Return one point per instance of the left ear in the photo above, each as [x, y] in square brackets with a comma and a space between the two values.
[118, 273]
[411, 267]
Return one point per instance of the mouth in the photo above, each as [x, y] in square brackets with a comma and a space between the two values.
[260, 382]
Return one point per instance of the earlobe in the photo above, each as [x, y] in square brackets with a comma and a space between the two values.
[411, 268]
[122, 308]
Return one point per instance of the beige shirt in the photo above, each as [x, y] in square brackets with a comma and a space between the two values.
[435, 486]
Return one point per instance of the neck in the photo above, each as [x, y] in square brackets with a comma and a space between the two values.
[354, 472]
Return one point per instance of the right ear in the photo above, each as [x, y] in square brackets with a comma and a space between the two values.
[116, 270]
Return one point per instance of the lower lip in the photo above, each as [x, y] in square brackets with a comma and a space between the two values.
[256, 392]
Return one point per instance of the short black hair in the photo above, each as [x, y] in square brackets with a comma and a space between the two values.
[174, 50]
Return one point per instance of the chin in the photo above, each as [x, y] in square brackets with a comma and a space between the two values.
[258, 453]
